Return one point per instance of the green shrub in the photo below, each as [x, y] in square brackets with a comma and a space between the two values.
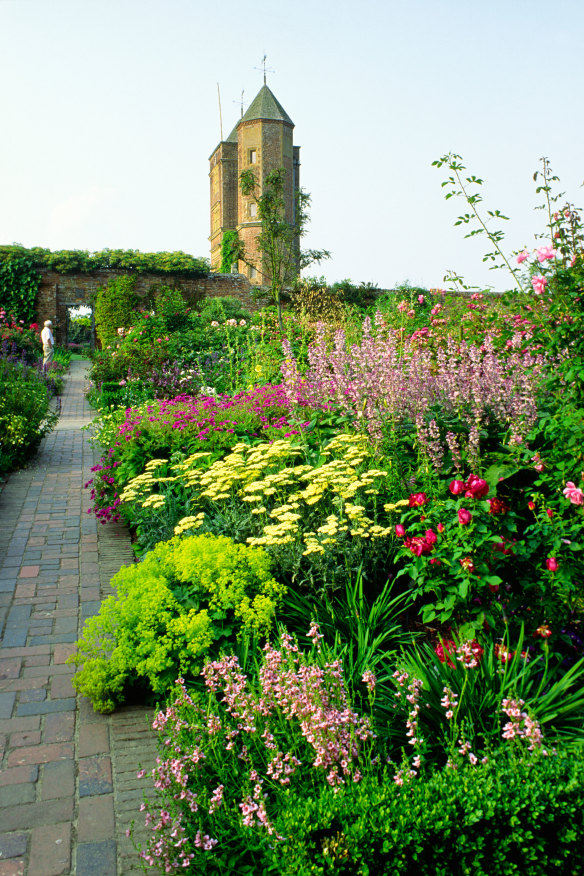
[114, 307]
[516, 814]
[25, 414]
[185, 600]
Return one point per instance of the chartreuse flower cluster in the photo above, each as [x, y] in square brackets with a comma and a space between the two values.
[339, 496]
[186, 600]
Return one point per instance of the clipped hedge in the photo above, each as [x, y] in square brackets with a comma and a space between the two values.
[516, 814]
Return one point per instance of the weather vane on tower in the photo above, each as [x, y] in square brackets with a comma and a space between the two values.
[265, 69]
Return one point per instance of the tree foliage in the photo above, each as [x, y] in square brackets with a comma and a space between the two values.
[114, 307]
[279, 240]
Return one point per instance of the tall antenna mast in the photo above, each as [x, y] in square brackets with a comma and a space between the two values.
[220, 116]
[240, 101]
[265, 69]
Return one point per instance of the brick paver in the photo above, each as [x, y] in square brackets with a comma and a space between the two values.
[68, 787]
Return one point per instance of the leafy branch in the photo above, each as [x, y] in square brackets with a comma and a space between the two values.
[465, 187]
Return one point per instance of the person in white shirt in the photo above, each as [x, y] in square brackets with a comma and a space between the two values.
[48, 342]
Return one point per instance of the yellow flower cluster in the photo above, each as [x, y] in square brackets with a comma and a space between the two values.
[282, 488]
[192, 522]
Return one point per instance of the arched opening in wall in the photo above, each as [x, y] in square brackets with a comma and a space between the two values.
[80, 328]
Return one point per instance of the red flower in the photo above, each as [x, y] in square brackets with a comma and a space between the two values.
[418, 545]
[457, 487]
[464, 516]
[417, 499]
[400, 530]
[497, 506]
[503, 547]
[431, 536]
[468, 565]
[476, 488]
[445, 650]
[543, 631]
[552, 564]
[440, 527]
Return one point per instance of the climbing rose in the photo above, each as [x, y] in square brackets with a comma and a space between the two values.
[464, 516]
[522, 256]
[539, 283]
[545, 252]
[573, 493]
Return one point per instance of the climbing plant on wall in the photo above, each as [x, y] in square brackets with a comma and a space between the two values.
[132, 260]
[230, 250]
[19, 283]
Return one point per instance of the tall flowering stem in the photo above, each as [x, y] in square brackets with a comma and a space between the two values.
[387, 378]
[227, 761]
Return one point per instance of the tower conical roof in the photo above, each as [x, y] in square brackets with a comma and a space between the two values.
[266, 106]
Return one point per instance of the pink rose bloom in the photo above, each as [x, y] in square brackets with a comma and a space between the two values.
[522, 256]
[464, 516]
[574, 494]
[552, 564]
[545, 252]
[476, 488]
[457, 487]
[539, 283]
[421, 299]
[400, 530]
[431, 536]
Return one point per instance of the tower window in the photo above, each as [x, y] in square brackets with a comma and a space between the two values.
[252, 273]
[252, 156]
[253, 210]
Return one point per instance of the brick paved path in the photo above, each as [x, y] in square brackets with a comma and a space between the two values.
[68, 787]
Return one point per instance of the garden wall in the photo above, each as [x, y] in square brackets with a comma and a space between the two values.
[57, 291]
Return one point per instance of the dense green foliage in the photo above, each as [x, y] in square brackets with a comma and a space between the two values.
[230, 250]
[183, 602]
[19, 283]
[114, 307]
[75, 260]
[516, 814]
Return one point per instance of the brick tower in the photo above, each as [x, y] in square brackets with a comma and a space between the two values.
[261, 141]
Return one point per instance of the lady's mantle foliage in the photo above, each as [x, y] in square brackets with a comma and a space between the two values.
[186, 599]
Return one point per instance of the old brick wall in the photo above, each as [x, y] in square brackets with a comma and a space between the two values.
[57, 291]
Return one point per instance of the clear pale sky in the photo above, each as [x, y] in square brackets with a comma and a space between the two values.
[109, 113]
